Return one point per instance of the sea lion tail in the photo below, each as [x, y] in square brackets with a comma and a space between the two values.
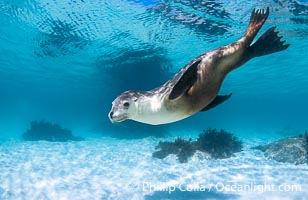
[257, 19]
[268, 43]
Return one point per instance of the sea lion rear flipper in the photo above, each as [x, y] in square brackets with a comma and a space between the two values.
[268, 43]
[218, 100]
[187, 80]
[257, 19]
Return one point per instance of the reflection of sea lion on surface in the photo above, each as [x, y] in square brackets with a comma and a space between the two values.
[195, 87]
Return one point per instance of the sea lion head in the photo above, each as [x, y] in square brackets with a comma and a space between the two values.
[124, 106]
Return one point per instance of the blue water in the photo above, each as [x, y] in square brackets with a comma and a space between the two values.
[65, 62]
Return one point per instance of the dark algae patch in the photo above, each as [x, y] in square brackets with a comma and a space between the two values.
[219, 144]
[43, 130]
[180, 147]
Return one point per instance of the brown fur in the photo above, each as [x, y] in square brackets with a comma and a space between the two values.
[216, 64]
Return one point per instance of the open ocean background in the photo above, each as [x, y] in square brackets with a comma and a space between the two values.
[65, 62]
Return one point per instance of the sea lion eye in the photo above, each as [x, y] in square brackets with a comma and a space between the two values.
[126, 104]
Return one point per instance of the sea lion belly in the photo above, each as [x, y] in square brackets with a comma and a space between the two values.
[162, 111]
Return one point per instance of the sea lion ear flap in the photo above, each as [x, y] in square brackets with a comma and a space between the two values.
[135, 99]
[187, 80]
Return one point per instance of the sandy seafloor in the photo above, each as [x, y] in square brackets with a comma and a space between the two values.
[108, 168]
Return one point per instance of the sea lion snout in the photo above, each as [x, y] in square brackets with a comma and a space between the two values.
[110, 115]
[117, 116]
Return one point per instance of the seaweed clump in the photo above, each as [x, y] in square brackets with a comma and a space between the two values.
[218, 144]
[42, 130]
[180, 147]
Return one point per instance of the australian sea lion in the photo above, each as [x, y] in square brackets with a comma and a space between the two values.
[195, 87]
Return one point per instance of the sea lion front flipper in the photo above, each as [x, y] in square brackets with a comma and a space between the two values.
[218, 100]
[187, 80]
